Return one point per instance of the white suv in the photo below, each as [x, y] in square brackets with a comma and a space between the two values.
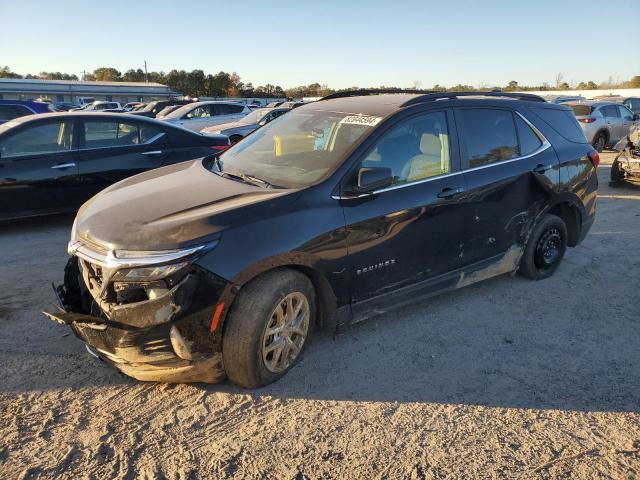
[198, 115]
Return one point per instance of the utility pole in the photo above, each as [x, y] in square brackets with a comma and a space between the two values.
[146, 75]
[84, 74]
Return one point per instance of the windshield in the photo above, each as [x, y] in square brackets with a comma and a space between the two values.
[297, 149]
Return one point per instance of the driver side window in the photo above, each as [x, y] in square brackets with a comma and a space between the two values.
[416, 149]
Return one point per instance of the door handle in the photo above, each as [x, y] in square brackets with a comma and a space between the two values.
[541, 168]
[64, 165]
[155, 152]
[449, 192]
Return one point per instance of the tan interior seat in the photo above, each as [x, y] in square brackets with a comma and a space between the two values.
[428, 163]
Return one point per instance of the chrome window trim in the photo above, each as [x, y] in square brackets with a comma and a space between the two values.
[545, 145]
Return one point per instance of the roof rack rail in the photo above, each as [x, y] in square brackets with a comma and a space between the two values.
[453, 95]
[372, 91]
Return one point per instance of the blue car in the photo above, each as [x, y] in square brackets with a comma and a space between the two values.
[10, 109]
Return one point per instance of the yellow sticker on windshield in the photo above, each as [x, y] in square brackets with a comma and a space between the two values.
[361, 120]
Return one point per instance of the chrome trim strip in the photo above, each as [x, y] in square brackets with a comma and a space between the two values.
[540, 149]
[111, 262]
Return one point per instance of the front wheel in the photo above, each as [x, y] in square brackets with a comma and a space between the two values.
[545, 248]
[268, 328]
[617, 175]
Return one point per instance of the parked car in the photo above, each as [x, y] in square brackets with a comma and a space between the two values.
[65, 106]
[632, 103]
[236, 131]
[564, 98]
[85, 100]
[128, 107]
[294, 104]
[10, 109]
[99, 106]
[167, 110]
[339, 210]
[53, 163]
[603, 123]
[626, 165]
[199, 115]
[156, 106]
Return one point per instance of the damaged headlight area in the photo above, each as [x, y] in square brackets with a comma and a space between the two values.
[147, 313]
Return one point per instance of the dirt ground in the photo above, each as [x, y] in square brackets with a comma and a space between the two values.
[505, 379]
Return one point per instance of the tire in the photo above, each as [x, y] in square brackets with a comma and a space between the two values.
[248, 360]
[599, 141]
[617, 175]
[235, 139]
[545, 249]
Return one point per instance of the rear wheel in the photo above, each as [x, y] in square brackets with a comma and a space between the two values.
[599, 141]
[268, 328]
[545, 248]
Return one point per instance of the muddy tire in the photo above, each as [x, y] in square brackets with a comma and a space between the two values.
[599, 141]
[268, 327]
[617, 175]
[545, 248]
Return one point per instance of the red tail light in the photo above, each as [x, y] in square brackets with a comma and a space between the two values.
[587, 120]
[219, 148]
[594, 157]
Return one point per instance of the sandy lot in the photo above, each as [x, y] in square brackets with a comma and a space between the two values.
[505, 379]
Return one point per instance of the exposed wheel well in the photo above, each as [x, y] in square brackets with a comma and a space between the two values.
[572, 218]
[327, 301]
[602, 132]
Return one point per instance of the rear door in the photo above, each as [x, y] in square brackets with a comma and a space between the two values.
[112, 149]
[509, 169]
[39, 169]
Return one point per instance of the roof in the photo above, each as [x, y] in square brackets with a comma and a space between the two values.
[387, 103]
[79, 87]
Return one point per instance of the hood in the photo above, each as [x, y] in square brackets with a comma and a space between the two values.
[172, 207]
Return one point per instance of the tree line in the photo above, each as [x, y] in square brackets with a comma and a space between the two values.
[222, 84]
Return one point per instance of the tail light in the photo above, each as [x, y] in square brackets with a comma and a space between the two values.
[594, 157]
[587, 120]
[219, 148]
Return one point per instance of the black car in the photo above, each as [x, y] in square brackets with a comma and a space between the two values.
[54, 162]
[337, 211]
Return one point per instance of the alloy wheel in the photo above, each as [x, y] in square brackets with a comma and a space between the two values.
[286, 332]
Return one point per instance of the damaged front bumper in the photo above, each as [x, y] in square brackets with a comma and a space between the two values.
[165, 335]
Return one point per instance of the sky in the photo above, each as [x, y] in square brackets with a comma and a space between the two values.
[338, 43]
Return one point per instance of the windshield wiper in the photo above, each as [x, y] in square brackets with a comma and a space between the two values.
[243, 177]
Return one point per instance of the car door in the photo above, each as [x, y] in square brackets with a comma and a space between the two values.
[627, 120]
[613, 121]
[113, 149]
[409, 232]
[38, 169]
[509, 169]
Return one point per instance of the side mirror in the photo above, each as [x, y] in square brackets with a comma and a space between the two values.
[636, 116]
[371, 179]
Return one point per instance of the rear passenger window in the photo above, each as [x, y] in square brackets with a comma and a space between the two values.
[529, 141]
[489, 135]
[115, 134]
[610, 111]
[236, 108]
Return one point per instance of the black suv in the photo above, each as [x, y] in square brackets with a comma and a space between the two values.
[337, 211]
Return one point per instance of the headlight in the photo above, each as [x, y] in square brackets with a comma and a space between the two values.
[148, 274]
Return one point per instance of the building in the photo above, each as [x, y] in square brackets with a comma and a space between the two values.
[73, 90]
